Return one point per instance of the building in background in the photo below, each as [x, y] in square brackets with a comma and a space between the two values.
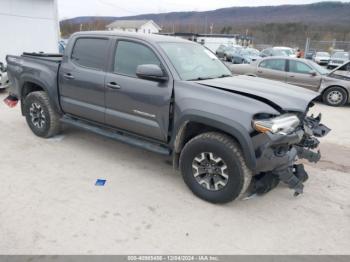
[135, 26]
[28, 26]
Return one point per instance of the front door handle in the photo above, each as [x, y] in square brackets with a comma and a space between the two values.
[291, 76]
[113, 85]
[68, 76]
[259, 71]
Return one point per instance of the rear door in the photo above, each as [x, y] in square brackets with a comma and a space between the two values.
[82, 76]
[274, 69]
[133, 104]
[301, 74]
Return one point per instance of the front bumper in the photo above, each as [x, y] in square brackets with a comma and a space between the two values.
[277, 156]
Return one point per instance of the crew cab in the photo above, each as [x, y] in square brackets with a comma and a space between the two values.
[229, 135]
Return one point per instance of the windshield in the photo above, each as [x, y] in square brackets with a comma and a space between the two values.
[318, 68]
[341, 55]
[194, 62]
[250, 52]
[278, 52]
[231, 48]
[286, 51]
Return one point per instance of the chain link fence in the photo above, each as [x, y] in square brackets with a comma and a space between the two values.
[312, 46]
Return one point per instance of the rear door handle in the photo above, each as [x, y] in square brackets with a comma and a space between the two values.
[291, 76]
[68, 76]
[113, 85]
[260, 72]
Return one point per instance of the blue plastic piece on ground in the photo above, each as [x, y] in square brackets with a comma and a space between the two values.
[100, 182]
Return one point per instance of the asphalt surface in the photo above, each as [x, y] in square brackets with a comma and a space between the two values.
[49, 203]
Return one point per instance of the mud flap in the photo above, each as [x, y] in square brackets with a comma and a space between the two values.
[11, 101]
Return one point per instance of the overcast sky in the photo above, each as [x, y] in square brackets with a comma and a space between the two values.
[73, 8]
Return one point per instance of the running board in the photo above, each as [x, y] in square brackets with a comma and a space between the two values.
[117, 135]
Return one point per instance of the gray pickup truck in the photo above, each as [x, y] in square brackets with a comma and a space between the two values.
[227, 134]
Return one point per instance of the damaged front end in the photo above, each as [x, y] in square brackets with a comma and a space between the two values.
[279, 143]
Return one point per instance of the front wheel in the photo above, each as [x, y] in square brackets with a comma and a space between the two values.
[214, 169]
[335, 96]
[41, 117]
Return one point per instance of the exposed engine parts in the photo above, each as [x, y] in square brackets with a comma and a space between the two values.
[288, 172]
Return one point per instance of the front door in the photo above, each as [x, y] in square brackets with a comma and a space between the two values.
[301, 74]
[81, 79]
[274, 69]
[133, 104]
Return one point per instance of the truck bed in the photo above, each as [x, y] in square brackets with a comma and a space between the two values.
[39, 69]
[44, 56]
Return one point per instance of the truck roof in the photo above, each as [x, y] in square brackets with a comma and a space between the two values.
[141, 36]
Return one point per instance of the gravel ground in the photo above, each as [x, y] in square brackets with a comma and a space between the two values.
[50, 205]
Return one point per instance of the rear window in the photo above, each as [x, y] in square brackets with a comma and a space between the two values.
[90, 52]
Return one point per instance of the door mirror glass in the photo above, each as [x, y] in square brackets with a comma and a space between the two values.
[150, 71]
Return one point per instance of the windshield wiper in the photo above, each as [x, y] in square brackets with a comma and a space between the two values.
[206, 78]
[200, 78]
[222, 76]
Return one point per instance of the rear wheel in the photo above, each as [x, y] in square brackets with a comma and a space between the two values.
[214, 169]
[41, 117]
[335, 96]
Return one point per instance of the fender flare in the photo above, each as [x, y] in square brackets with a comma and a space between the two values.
[228, 126]
[52, 92]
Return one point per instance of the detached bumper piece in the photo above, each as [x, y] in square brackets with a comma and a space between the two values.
[11, 101]
[277, 155]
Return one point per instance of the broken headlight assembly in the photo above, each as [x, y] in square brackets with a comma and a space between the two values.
[283, 125]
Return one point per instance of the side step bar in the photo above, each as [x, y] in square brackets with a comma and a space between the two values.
[117, 135]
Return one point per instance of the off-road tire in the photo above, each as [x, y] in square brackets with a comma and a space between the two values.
[325, 96]
[51, 127]
[223, 146]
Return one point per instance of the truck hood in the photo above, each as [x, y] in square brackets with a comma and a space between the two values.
[280, 96]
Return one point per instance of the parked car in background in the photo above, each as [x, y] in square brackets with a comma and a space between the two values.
[220, 52]
[337, 59]
[4, 81]
[289, 51]
[272, 52]
[301, 72]
[310, 54]
[231, 52]
[322, 58]
[245, 56]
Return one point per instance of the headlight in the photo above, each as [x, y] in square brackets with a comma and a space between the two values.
[283, 124]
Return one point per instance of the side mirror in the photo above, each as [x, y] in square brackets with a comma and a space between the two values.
[313, 73]
[151, 72]
[2, 67]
